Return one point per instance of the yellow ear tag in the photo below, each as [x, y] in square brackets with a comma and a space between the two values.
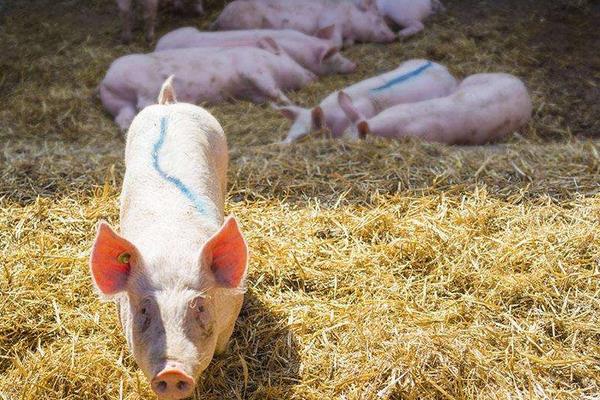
[124, 258]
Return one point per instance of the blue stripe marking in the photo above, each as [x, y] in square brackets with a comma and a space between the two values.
[404, 77]
[191, 196]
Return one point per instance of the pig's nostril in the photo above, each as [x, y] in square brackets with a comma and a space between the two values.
[182, 386]
[161, 386]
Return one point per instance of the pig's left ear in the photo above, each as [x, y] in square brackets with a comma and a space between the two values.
[326, 33]
[226, 254]
[328, 53]
[111, 258]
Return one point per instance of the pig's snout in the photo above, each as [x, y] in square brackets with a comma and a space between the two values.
[172, 384]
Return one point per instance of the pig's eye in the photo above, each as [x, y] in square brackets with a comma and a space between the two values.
[197, 305]
[199, 309]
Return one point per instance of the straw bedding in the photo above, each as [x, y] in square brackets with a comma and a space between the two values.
[379, 269]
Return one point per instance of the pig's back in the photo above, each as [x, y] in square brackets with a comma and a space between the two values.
[366, 86]
[176, 171]
[493, 104]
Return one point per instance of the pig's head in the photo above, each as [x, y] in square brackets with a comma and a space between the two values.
[176, 309]
[331, 61]
[289, 69]
[368, 25]
[304, 121]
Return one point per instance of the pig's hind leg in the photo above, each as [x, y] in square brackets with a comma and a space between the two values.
[124, 117]
[122, 108]
[411, 29]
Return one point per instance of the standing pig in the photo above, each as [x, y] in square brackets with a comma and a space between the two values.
[316, 54]
[208, 74]
[177, 268]
[485, 107]
[150, 10]
[413, 80]
[352, 23]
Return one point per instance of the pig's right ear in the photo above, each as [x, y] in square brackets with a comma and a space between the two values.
[167, 93]
[111, 258]
[226, 253]
[328, 53]
[326, 33]
[347, 106]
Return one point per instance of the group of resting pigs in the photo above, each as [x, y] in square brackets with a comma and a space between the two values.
[177, 267]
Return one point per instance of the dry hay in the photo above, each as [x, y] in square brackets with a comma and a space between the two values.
[396, 270]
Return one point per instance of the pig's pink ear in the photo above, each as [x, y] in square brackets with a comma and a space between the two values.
[227, 255]
[326, 33]
[363, 129]
[317, 117]
[270, 45]
[111, 259]
[367, 4]
[347, 106]
[290, 112]
[328, 53]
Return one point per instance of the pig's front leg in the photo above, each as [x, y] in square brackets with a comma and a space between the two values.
[150, 10]
[124, 118]
[267, 86]
[411, 29]
[126, 19]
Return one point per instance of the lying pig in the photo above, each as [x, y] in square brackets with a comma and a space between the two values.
[413, 80]
[150, 10]
[177, 268]
[208, 75]
[352, 23]
[485, 107]
[408, 14]
[313, 53]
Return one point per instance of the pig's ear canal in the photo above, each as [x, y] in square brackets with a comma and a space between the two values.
[226, 254]
[110, 262]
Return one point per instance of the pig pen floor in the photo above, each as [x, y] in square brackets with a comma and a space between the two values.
[394, 270]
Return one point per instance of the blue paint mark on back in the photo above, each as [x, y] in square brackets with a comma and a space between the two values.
[196, 200]
[404, 77]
